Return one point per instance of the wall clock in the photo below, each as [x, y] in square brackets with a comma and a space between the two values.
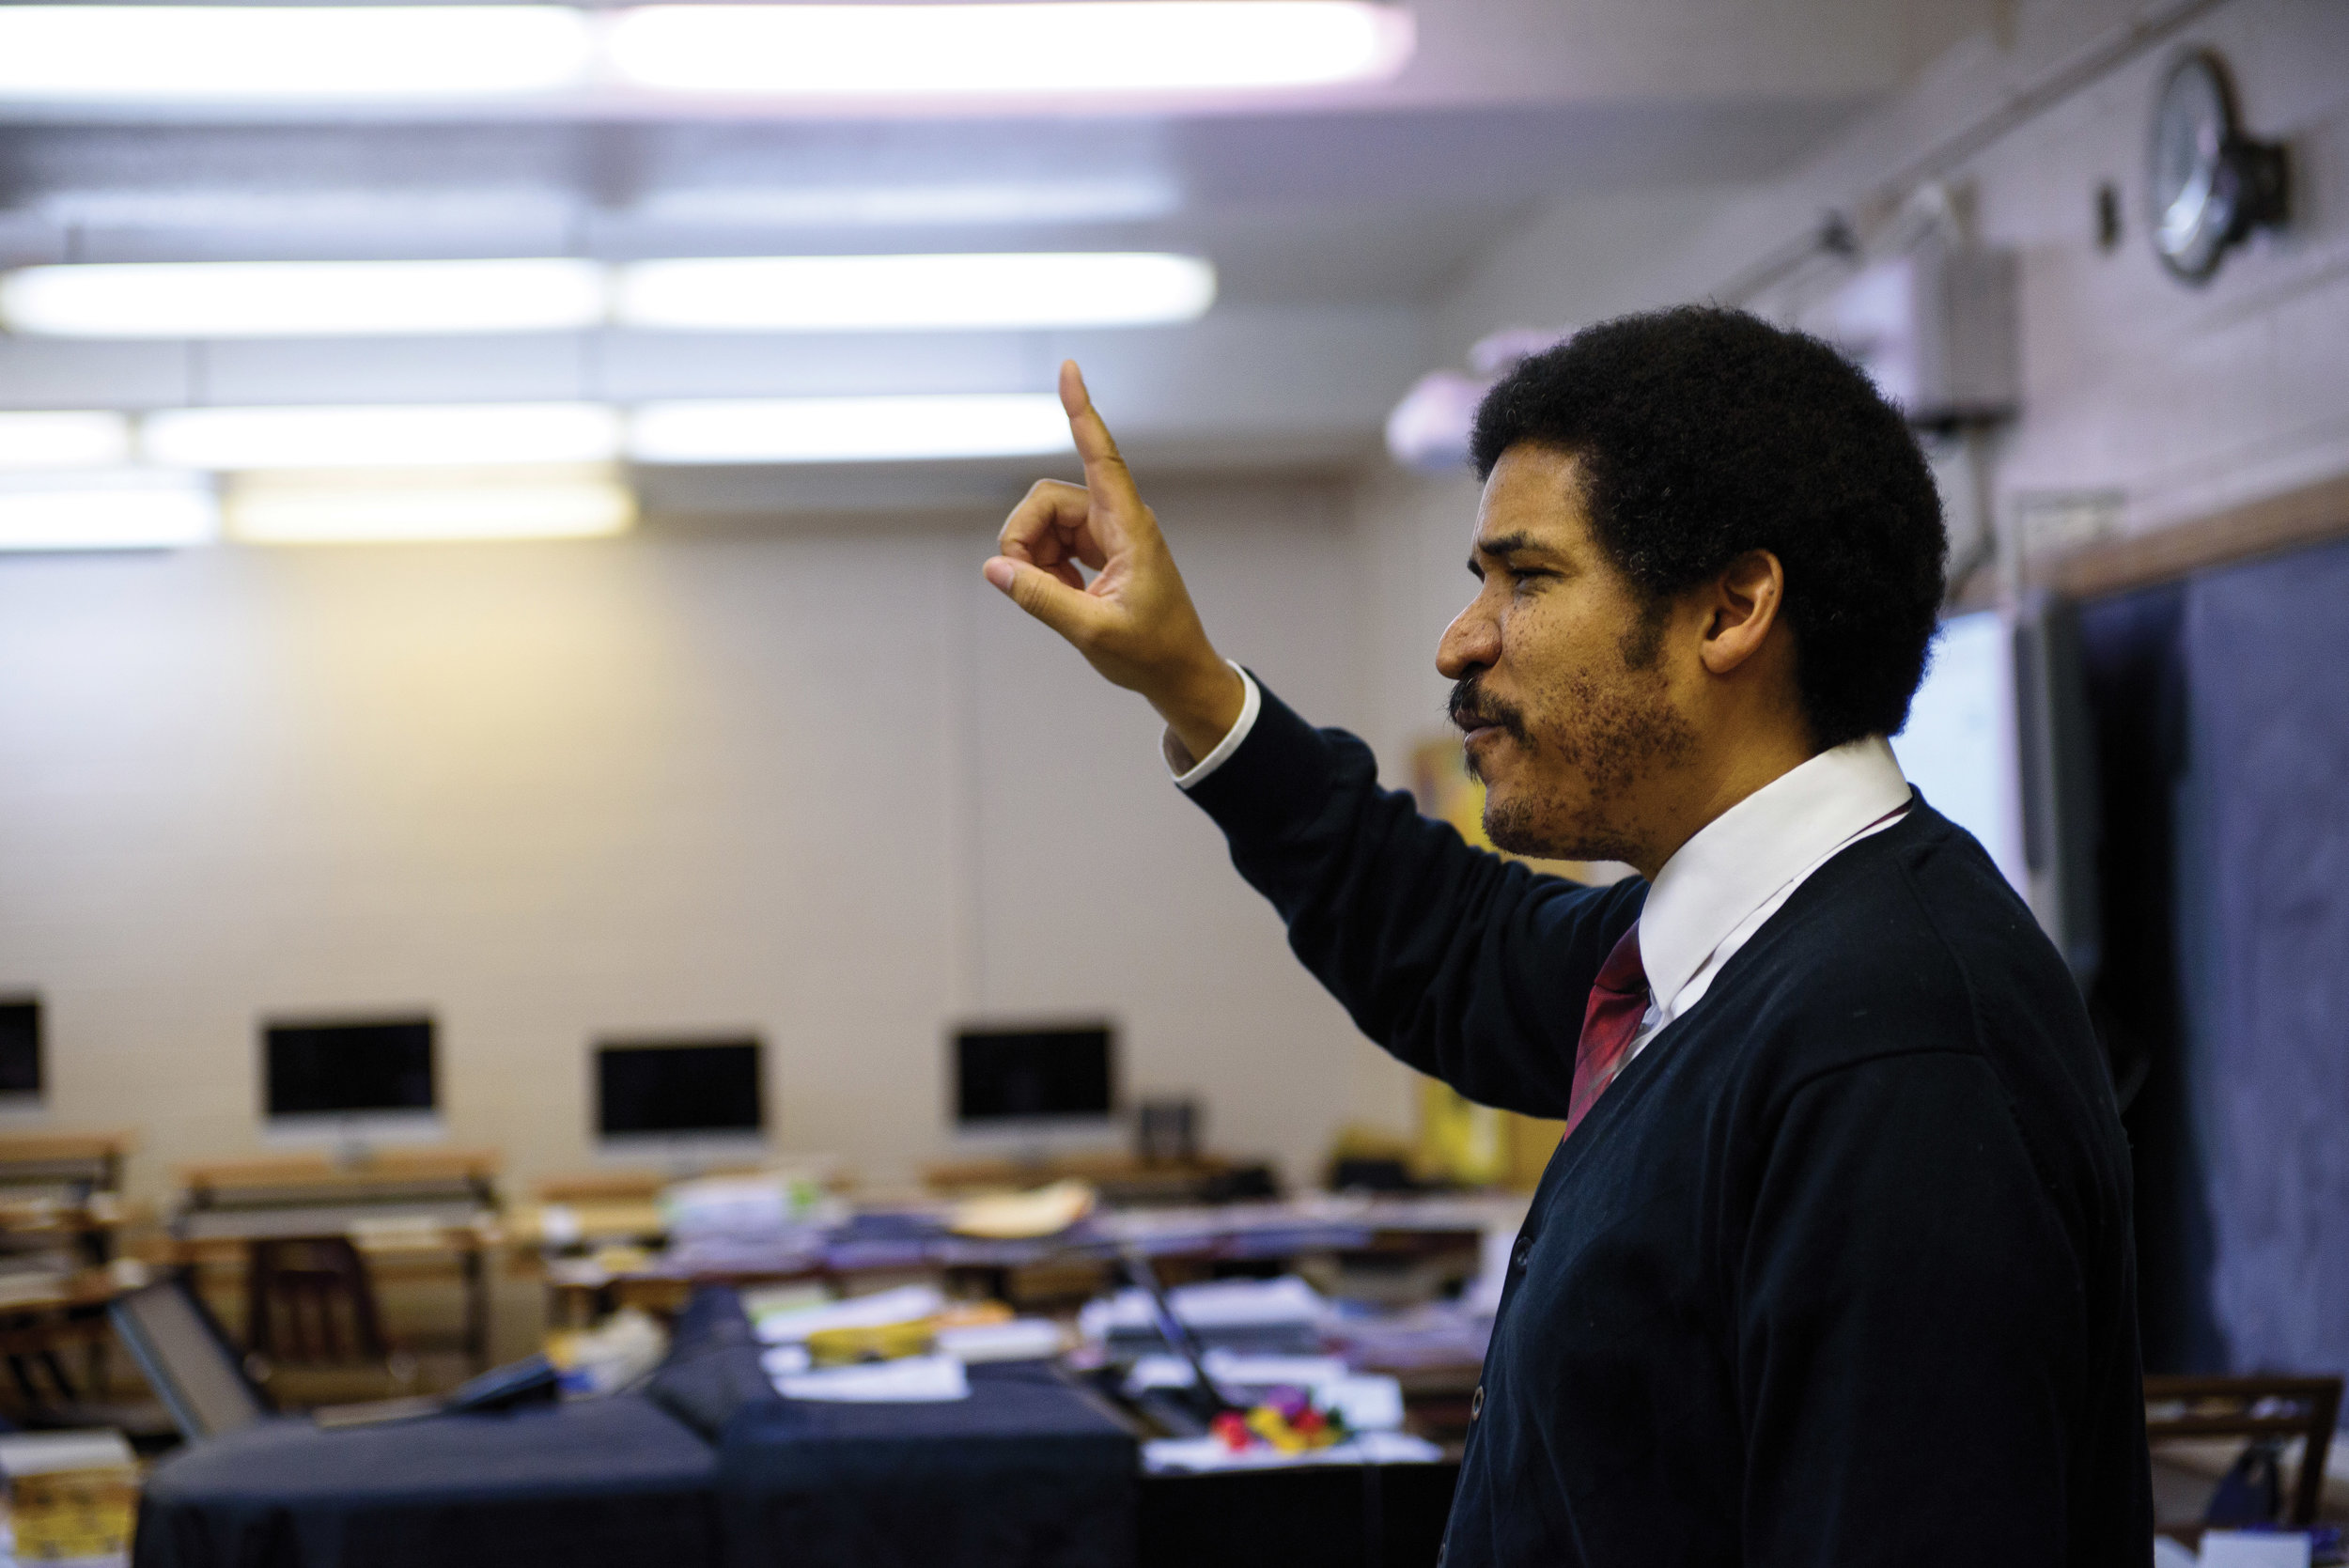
[2211, 184]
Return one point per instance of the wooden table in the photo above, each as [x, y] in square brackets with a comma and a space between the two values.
[409, 1212]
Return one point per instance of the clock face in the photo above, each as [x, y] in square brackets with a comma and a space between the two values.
[2196, 196]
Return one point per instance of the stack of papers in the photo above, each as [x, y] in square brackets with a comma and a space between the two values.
[1210, 1453]
[1023, 1339]
[1239, 1314]
[906, 1304]
[914, 1380]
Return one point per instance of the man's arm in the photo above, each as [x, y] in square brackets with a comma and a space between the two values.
[1914, 1342]
[1465, 966]
[1468, 966]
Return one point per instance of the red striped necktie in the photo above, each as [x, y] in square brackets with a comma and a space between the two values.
[1611, 1022]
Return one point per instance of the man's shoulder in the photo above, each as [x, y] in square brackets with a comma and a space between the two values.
[1908, 940]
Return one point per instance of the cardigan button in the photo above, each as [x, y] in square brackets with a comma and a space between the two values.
[1476, 1403]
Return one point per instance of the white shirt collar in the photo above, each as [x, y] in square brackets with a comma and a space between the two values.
[1738, 862]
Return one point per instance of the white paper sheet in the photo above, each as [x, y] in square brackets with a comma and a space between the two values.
[1209, 1454]
[914, 1380]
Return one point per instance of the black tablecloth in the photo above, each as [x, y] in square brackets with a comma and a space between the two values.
[1315, 1517]
[1028, 1471]
[612, 1483]
[708, 1468]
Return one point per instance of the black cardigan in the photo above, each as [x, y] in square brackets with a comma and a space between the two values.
[1839, 1270]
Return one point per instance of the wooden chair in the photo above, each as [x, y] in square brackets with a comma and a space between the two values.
[305, 1296]
[2260, 1408]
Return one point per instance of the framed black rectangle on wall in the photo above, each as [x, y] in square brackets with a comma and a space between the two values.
[20, 1076]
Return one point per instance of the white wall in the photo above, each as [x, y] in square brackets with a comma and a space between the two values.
[827, 786]
[2182, 399]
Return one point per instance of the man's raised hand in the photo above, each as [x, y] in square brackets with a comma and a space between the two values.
[1134, 622]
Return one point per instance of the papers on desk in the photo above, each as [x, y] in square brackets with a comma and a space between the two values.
[914, 1380]
[766, 1203]
[2235, 1548]
[1023, 1339]
[1235, 1371]
[906, 1304]
[1240, 1313]
[1168, 1454]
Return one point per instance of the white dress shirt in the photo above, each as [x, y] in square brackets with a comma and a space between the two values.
[1721, 886]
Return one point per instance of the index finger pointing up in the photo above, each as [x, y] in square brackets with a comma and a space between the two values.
[1106, 473]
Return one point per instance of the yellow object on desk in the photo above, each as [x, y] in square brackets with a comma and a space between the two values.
[72, 1495]
[1022, 1215]
[890, 1341]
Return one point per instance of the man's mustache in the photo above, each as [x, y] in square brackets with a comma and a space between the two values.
[1471, 708]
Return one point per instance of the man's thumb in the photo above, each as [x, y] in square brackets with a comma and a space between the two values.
[1040, 594]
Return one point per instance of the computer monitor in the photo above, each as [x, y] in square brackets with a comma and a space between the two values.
[681, 1097]
[1031, 1082]
[353, 1080]
[20, 1050]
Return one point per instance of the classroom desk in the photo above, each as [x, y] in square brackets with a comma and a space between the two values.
[1195, 1237]
[708, 1467]
[1030, 1470]
[409, 1212]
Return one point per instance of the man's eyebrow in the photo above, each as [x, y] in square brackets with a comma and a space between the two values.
[1502, 545]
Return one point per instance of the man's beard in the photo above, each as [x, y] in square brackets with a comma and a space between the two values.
[1612, 738]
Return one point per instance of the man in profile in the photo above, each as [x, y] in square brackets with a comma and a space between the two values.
[1833, 1264]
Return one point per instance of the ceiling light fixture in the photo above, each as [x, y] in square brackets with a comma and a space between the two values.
[382, 436]
[1073, 48]
[912, 293]
[132, 509]
[848, 430]
[79, 439]
[283, 299]
[909, 205]
[233, 53]
[410, 509]
[793, 293]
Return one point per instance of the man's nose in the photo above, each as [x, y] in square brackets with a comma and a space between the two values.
[1471, 642]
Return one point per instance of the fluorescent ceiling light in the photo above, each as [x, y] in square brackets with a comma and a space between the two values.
[127, 511]
[382, 436]
[274, 299]
[62, 439]
[848, 430]
[1074, 48]
[1041, 201]
[382, 509]
[868, 293]
[289, 52]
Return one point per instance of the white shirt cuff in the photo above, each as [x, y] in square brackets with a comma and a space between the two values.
[1176, 756]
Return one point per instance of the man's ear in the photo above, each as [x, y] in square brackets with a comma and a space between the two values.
[1740, 607]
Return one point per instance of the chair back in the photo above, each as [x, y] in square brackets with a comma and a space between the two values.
[2263, 1409]
[310, 1299]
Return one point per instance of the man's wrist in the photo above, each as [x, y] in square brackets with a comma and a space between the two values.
[1189, 769]
[1203, 707]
